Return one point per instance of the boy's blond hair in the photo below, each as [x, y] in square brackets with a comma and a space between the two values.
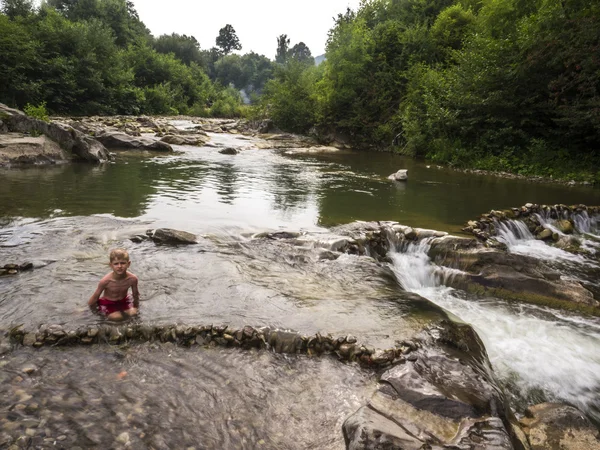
[119, 253]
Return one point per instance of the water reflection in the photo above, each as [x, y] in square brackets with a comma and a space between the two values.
[268, 189]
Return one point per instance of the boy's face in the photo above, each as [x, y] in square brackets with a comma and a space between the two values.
[120, 266]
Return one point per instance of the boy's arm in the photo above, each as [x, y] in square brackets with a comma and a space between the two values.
[96, 295]
[135, 292]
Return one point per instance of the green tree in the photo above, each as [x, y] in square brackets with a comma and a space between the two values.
[301, 53]
[119, 15]
[227, 40]
[17, 8]
[19, 53]
[185, 48]
[291, 97]
[283, 44]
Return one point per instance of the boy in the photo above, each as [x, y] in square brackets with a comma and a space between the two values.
[116, 304]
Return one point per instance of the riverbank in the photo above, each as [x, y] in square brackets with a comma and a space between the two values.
[121, 132]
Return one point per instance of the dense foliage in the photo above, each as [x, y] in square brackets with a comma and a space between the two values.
[97, 57]
[491, 84]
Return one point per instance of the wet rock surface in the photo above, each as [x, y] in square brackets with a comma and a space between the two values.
[556, 426]
[121, 141]
[444, 394]
[171, 237]
[13, 269]
[196, 140]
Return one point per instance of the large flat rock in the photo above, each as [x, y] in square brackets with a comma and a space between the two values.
[17, 149]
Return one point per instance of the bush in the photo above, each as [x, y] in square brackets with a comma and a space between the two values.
[37, 112]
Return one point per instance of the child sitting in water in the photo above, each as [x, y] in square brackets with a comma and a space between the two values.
[116, 304]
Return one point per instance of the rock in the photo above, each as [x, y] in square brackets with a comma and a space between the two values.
[556, 426]
[193, 140]
[26, 266]
[401, 175]
[447, 397]
[410, 233]
[229, 151]
[16, 149]
[565, 226]
[74, 142]
[170, 236]
[29, 369]
[29, 339]
[545, 234]
[123, 438]
[122, 141]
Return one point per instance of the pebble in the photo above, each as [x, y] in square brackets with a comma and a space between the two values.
[123, 438]
[29, 369]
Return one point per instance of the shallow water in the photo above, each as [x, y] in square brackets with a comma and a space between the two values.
[161, 397]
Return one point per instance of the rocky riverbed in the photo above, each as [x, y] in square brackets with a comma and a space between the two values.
[25, 140]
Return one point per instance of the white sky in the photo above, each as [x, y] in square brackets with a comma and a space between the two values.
[257, 23]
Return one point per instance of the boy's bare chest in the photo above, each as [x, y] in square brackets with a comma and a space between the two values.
[118, 285]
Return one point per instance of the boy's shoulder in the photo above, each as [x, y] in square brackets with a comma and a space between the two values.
[106, 278]
[132, 276]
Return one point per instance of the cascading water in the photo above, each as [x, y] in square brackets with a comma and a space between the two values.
[538, 353]
[520, 240]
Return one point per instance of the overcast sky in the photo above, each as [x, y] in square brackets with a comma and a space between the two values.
[257, 23]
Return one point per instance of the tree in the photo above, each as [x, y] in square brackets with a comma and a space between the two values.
[119, 15]
[227, 40]
[283, 44]
[186, 48]
[17, 8]
[301, 53]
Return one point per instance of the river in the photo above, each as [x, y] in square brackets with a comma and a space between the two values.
[65, 219]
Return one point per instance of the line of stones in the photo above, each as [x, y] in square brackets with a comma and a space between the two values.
[280, 341]
[485, 227]
[12, 269]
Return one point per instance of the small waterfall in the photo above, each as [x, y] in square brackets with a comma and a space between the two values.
[512, 231]
[549, 223]
[585, 224]
[519, 240]
[412, 267]
[532, 349]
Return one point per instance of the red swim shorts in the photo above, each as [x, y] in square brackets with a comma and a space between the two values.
[106, 306]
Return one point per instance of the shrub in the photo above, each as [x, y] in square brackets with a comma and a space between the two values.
[37, 112]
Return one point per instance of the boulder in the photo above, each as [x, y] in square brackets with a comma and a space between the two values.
[123, 141]
[565, 226]
[401, 175]
[545, 234]
[172, 237]
[556, 426]
[16, 149]
[229, 151]
[75, 143]
[196, 140]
